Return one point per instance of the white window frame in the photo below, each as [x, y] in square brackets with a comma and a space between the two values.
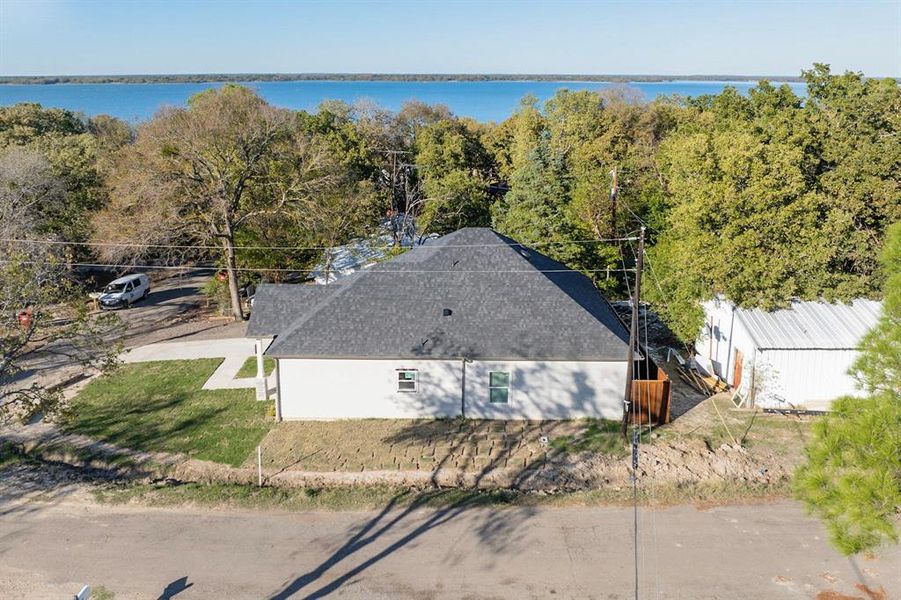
[399, 381]
[499, 387]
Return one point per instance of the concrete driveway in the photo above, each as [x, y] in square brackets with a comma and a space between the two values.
[233, 351]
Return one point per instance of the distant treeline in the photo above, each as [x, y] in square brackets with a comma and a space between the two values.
[245, 77]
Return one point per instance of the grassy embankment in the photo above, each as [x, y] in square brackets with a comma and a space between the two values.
[161, 407]
[219, 496]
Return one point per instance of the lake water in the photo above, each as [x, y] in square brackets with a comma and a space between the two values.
[482, 100]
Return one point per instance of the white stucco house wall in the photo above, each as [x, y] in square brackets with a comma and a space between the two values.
[472, 325]
[793, 358]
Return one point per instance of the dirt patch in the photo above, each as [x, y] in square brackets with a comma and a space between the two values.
[684, 463]
[869, 594]
[422, 445]
[739, 449]
[27, 481]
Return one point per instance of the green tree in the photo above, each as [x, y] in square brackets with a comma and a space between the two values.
[455, 170]
[199, 174]
[851, 478]
[335, 126]
[600, 134]
[71, 147]
[535, 210]
[769, 198]
[111, 135]
[22, 124]
[454, 200]
[857, 128]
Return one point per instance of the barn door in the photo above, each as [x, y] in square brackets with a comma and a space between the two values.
[736, 373]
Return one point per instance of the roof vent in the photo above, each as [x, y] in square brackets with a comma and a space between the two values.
[524, 254]
[446, 312]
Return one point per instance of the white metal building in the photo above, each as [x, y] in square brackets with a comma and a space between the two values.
[796, 357]
[473, 325]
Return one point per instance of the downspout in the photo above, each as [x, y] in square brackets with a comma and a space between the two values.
[751, 394]
[729, 361]
[463, 390]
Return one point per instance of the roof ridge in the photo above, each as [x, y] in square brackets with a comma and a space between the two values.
[502, 304]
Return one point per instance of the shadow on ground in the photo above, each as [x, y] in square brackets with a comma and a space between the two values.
[499, 445]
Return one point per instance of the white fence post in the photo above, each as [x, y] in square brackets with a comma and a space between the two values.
[259, 466]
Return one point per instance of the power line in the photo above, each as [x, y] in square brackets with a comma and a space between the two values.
[214, 247]
[650, 487]
[360, 269]
[631, 407]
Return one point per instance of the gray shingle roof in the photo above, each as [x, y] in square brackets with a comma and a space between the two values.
[276, 306]
[507, 302]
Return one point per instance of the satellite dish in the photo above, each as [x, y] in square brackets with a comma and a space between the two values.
[84, 594]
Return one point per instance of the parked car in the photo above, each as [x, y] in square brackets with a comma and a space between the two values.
[122, 292]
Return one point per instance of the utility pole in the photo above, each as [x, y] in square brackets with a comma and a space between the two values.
[614, 194]
[395, 204]
[633, 334]
[629, 407]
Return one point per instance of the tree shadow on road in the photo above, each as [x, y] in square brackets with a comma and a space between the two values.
[482, 449]
[496, 529]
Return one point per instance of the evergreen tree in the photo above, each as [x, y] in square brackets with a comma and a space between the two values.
[536, 210]
[852, 475]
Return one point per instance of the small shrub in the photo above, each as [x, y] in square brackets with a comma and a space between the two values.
[216, 294]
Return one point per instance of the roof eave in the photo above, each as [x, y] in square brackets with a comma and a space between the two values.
[446, 358]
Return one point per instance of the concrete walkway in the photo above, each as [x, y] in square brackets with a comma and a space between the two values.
[234, 351]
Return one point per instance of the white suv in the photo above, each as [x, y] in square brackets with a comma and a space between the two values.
[125, 290]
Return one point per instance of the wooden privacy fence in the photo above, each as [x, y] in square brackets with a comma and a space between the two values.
[652, 396]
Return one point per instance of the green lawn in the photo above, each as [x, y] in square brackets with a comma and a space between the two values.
[249, 368]
[160, 406]
[598, 436]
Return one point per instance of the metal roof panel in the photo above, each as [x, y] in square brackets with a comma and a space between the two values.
[812, 324]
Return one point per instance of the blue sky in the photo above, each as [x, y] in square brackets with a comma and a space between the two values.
[239, 36]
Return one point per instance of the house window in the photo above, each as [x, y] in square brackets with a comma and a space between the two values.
[498, 387]
[407, 380]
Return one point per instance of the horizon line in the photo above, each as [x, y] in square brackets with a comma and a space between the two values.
[406, 74]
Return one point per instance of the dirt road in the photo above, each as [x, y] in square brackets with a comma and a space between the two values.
[764, 551]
